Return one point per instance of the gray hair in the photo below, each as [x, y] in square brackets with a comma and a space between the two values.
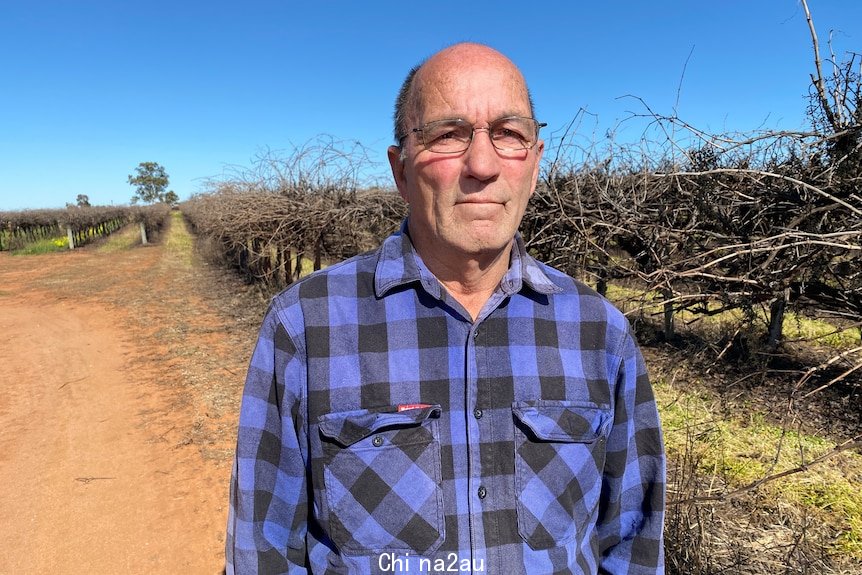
[401, 104]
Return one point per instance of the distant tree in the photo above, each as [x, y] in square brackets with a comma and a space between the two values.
[83, 201]
[150, 181]
[171, 198]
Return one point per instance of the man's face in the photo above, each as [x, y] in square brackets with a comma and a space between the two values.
[466, 205]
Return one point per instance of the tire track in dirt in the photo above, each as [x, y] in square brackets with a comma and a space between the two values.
[121, 372]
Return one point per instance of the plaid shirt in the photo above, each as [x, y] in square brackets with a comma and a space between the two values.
[384, 431]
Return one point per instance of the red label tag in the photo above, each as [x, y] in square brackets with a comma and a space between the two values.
[406, 406]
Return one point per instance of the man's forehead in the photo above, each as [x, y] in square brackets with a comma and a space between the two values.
[445, 83]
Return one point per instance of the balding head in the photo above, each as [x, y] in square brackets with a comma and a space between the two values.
[440, 69]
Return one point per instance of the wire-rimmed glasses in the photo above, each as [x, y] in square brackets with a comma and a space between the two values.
[452, 136]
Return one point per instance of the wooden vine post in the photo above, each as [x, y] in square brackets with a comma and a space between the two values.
[669, 328]
[71, 237]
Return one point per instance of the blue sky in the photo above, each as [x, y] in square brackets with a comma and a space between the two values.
[92, 88]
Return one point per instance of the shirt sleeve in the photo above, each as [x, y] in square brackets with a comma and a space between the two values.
[267, 519]
[631, 516]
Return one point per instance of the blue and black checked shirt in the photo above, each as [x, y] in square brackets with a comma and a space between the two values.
[384, 431]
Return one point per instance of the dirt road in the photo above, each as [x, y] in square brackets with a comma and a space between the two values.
[121, 369]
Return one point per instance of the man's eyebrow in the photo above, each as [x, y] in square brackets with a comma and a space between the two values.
[448, 119]
[464, 118]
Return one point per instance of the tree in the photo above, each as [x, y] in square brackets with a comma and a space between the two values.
[83, 201]
[171, 198]
[150, 181]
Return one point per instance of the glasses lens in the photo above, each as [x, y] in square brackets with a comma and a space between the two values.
[513, 133]
[453, 136]
[447, 136]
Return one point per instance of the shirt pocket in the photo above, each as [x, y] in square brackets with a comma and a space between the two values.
[559, 457]
[382, 479]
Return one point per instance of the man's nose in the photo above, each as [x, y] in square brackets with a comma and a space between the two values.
[482, 161]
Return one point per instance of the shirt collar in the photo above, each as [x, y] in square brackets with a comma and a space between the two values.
[399, 264]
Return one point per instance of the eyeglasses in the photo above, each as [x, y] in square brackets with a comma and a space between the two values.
[510, 134]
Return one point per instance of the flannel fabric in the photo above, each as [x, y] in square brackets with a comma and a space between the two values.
[384, 431]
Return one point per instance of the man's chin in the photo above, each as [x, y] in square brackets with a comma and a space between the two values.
[485, 243]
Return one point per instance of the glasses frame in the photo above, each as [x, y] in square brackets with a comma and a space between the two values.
[421, 132]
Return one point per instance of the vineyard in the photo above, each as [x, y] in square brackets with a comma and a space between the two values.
[738, 258]
[746, 267]
[704, 240]
[78, 225]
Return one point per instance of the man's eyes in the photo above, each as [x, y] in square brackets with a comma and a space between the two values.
[507, 133]
[451, 132]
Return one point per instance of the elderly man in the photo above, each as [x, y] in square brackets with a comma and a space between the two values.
[447, 404]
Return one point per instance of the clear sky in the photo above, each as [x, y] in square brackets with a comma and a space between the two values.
[89, 89]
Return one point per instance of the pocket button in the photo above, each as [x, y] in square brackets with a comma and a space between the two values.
[377, 441]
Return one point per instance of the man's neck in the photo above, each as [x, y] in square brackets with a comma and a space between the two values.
[471, 279]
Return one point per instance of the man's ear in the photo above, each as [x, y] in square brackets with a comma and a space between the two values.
[397, 166]
[540, 149]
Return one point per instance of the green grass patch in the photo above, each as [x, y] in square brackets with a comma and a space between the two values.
[795, 327]
[123, 239]
[43, 246]
[179, 243]
[823, 332]
[737, 451]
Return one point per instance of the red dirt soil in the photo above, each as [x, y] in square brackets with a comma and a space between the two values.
[121, 372]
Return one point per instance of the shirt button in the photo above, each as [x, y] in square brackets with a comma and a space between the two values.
[377, 441]
[477, 413]
[482, 492]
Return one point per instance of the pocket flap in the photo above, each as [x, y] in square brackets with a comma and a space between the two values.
[562, 421]
[348, 427]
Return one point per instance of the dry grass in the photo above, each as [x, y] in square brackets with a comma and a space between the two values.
[735, 421]
[719, 460]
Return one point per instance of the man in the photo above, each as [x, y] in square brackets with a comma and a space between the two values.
[447, 404]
